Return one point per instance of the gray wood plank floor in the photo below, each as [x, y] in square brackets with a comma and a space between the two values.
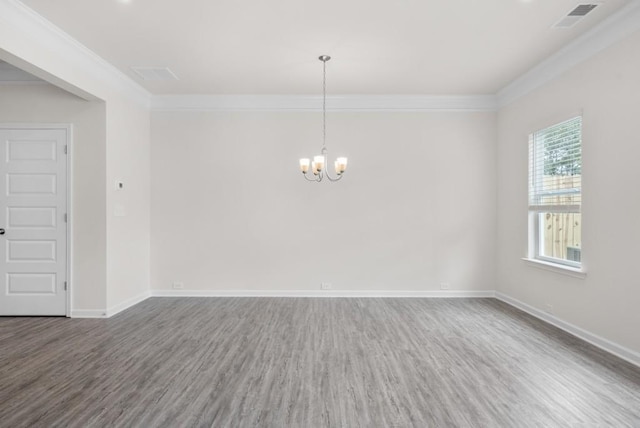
[280, 362]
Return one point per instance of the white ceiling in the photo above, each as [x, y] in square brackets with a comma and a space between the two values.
[271, 47]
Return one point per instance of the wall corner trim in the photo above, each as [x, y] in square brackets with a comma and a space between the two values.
[116, 309]
[622, 23]
[336, 103]
[620, 351]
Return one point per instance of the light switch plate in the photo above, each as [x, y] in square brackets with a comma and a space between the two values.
[119, 211]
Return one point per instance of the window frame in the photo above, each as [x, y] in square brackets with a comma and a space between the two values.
[540, 237]
[536, 232]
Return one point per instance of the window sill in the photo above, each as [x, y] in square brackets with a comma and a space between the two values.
[557, 268]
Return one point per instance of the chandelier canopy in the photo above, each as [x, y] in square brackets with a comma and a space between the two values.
[319, 164]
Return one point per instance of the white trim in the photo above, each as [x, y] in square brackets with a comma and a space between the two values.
[402, 103]
[89, 313]
[619, 25]
[613, 348]
[127, 304]
[69, 218]
[556, 267]
[26, 21]
[329, 293]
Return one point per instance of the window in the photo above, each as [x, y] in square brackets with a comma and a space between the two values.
[555, 193]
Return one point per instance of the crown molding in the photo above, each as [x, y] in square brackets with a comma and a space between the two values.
[616, 27]
[18, 18]
[25, 22]
[343, 103]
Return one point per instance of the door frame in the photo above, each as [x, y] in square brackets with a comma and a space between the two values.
[68, 127]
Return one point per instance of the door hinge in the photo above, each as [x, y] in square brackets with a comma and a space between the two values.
[66, 149]
[66, 218]
[65, 286]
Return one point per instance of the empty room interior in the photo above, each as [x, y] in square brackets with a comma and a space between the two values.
[319, 214]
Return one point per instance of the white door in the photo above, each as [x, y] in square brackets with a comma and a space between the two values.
[33, 247]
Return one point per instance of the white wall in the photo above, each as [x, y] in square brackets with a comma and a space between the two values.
[606, 89]
[48, 104]
[231, 211]
[128, 160]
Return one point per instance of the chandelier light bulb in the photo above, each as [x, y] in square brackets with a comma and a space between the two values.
[341, 165]
[319, 161]
[304, 165]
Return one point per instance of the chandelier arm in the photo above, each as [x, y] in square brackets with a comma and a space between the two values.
[326, 166]
[334, 179]
[312, 179]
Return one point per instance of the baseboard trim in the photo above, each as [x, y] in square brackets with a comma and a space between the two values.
[128, 303]
[328, 293]
[89, 313]
[600, 342]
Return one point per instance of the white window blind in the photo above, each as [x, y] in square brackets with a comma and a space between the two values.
[555, 168]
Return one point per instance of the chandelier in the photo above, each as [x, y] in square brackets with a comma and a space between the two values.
[320, 162]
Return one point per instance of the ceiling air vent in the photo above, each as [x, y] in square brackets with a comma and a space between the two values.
[576, 15]
[155, 73]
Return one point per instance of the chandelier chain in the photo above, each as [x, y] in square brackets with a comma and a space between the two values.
[324, 105]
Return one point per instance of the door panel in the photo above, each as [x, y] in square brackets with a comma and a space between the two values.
[31, 283]
[25, 150]
[31, 184]
[33, 250]
[31, 217]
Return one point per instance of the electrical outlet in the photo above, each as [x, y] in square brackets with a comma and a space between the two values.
[325, 286]
[178, 285]
[548, 307]
[444, 286]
